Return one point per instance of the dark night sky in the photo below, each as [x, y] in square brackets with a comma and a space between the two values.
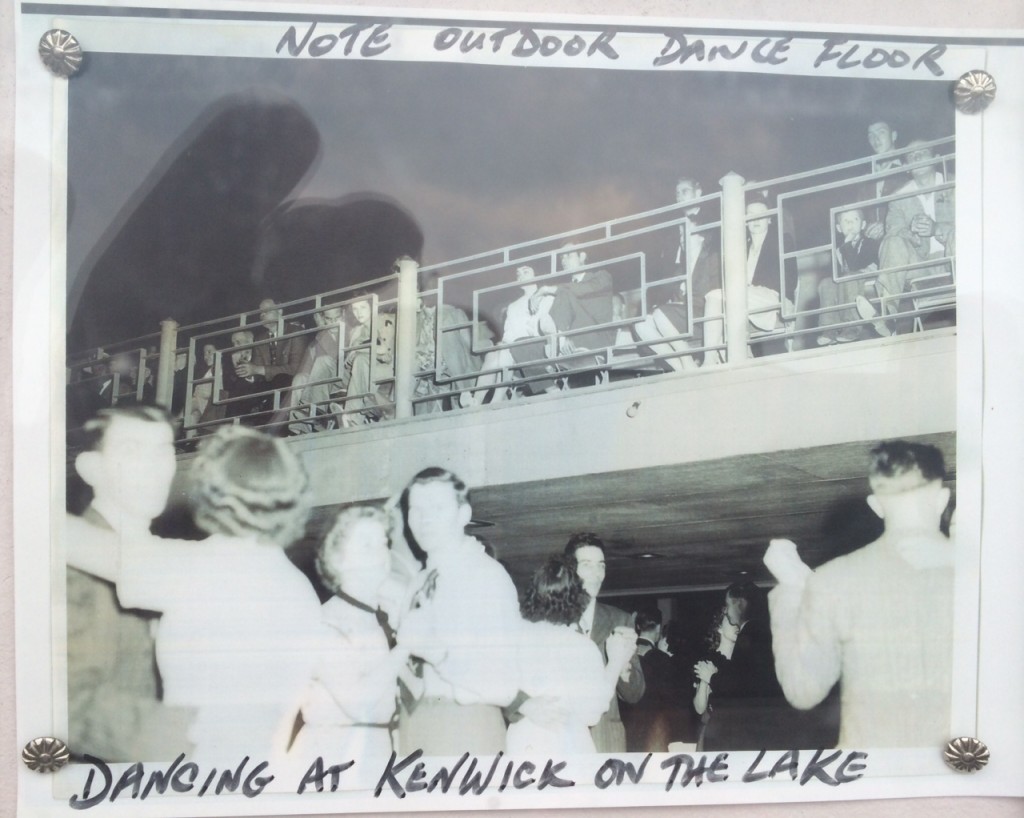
[476, 157]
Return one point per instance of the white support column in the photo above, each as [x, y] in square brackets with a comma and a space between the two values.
[734, 266]
[405, 336]
[165, 369]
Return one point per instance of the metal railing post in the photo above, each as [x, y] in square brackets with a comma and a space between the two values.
[165, 370]
[405, 336]
[734, 265]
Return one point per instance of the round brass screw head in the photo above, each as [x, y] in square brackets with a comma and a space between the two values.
[974, 92]
[60, 52]
[46, 755]
[966, 755]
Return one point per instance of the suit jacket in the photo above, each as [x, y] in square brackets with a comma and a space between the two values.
[585, 303]
[609, 734]
[766, 272]
[902, 212]
[114, 709]
[859, 255]
[707, 267]
[284, 357]
[748, 708]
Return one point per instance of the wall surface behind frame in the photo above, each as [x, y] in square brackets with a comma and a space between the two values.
[988, 14]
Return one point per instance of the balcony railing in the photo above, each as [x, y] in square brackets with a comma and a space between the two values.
[398, 346]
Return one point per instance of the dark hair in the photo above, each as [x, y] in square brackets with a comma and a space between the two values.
[675, 638]
[433, 474]
[757, 602]
[894, 458]
[580, 539]
[647, 620]
[94, 432]
[555, 593]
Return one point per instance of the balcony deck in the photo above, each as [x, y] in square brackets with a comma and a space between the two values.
[699, 469]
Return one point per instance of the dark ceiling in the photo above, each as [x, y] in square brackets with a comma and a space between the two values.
[705, 524]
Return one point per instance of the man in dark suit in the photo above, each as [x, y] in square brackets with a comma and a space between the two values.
[278, 359]
[598, 622]
[114, 707]
[696, 256]
[585, 301]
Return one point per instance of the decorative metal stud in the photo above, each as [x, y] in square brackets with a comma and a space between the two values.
[974, 92]
[60, 52]
[966, 755]
[46, 755]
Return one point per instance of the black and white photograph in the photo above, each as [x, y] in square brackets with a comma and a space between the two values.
[513, 409]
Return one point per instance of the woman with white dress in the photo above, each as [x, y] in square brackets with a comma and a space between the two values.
[350, 710]
[560, 664]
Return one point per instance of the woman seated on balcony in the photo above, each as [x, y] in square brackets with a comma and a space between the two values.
[763, 287]
[521, 323]
[367, 361]
[312, 383]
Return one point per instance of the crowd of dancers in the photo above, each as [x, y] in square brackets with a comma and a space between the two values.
[433, 648]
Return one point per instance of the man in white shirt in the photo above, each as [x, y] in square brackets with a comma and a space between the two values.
[114, 708]
[879, 619]
[462, 622]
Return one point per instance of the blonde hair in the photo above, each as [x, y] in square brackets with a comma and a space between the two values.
[337, 540]
[246, 483]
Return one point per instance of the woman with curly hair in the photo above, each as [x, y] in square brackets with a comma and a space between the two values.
[350, 710]
[562, 666]
[240, 623]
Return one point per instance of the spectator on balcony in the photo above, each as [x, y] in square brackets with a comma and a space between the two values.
[456, 357]
[312, 387]
[882, 138]
[367, 361]
[250, 407]
[857, 254]
[919, 226]
[277, 360]
[583, 302]
[89, 391]
[697, 258]
[202, 393]
[764, 283]
[129, 369]
[521, 323]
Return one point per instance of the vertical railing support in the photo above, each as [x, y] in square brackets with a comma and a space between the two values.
[165, 369]
[405, 336]
[734, 266]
